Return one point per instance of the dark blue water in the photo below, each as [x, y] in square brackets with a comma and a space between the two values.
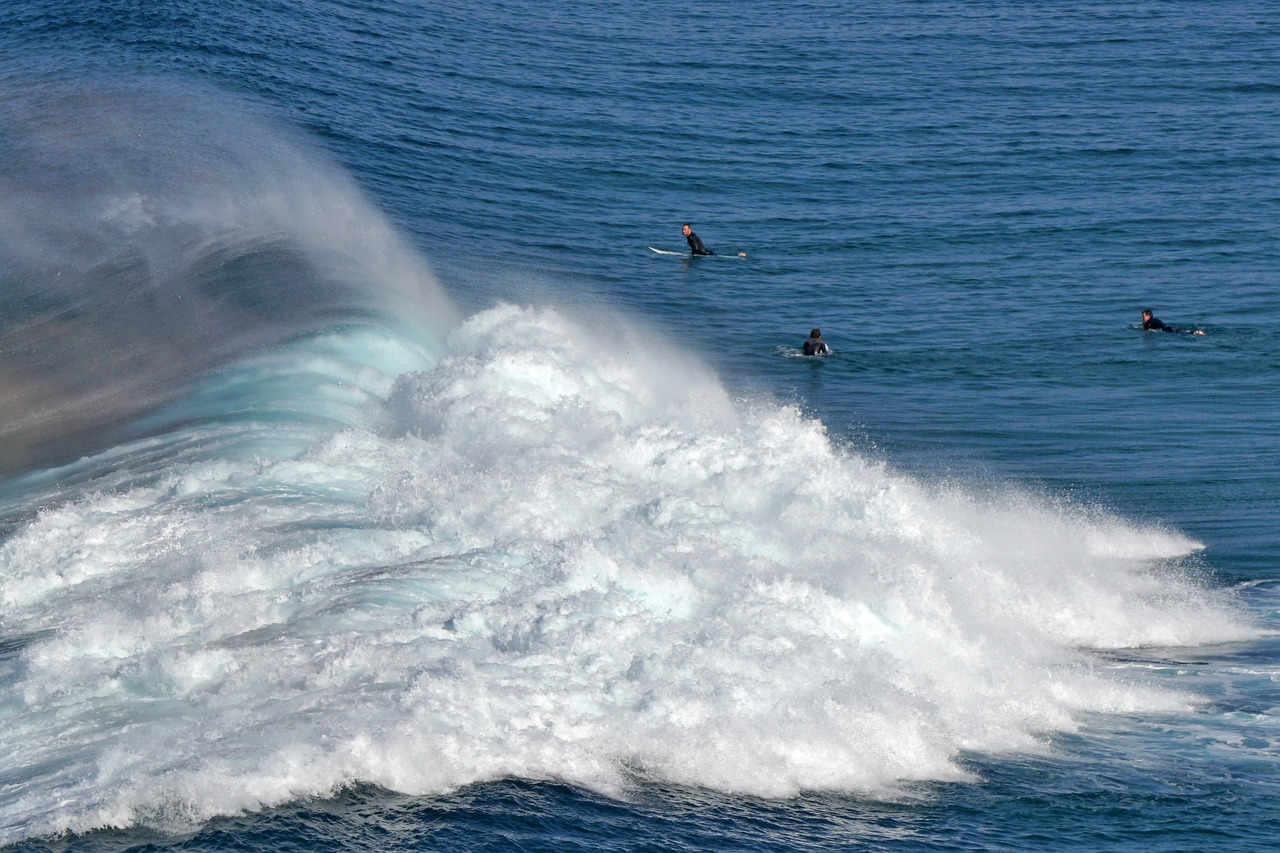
[309, 545]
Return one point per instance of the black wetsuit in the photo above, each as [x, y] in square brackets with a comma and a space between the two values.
[816, 346]
[1154, 325]
[695, 245]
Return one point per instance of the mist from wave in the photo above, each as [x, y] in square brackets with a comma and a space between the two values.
[151, 232]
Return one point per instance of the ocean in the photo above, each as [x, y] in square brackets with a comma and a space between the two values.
[367, 482]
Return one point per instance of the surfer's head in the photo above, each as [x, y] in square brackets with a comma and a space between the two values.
[685, 229]
[815, 333]
[1146, 314]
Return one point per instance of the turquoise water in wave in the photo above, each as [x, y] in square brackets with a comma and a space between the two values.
[367, 483]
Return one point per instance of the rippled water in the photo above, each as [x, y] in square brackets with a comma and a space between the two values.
[571, 550]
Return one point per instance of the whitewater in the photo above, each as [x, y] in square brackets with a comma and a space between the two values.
[301, 525]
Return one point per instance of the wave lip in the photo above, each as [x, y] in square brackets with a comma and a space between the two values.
[150, 233]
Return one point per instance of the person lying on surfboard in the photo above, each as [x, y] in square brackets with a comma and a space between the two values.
[1151, 324]
[696, 245]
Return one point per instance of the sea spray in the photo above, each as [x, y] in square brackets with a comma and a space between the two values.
[560, 551]
[150, 232]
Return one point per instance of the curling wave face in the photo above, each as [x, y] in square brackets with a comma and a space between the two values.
[550, 553]
[149, 234]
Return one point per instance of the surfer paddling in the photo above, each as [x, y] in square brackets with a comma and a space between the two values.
[815, 345]
[1151, 324]
[696, 246]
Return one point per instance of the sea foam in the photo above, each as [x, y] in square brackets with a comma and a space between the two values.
[560, 550]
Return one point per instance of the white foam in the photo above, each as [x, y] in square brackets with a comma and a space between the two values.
[561, 552]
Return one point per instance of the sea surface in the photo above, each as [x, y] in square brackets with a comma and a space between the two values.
[367, 483]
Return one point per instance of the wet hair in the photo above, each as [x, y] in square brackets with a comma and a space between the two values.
[686, 225]
[1147, 311]
[815, 333]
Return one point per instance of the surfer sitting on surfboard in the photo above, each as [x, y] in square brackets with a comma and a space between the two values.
[815, 345]
[696, 245]
[695, 242]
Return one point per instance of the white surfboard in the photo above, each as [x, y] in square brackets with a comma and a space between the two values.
[691, 255]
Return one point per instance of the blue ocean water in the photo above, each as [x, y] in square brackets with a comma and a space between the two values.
[368, 483]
